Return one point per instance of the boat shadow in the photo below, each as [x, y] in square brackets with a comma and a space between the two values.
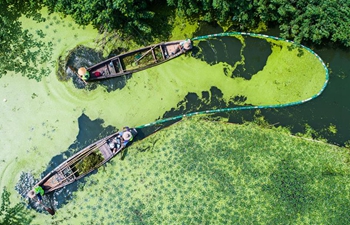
[89, 132]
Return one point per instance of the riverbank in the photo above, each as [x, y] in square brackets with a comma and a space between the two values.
[200, 171]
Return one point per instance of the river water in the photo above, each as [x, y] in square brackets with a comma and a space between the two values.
[45, 122]
[331, 108]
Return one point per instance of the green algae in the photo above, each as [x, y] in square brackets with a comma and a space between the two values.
[291, 74]
[31, 126]
[183, 28]
[39, 119]
[225, 173]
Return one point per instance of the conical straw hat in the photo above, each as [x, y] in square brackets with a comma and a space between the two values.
[127, 135]
[82, 71]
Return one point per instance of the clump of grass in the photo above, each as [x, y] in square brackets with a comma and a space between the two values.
[89, 162]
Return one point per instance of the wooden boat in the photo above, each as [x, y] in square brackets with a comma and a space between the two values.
[85, 161]
[135, 61]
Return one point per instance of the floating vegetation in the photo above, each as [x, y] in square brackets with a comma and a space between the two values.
[225, 182]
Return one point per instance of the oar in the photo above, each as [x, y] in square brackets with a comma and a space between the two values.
[49, 210]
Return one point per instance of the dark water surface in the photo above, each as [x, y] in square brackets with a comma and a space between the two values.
[331, 107]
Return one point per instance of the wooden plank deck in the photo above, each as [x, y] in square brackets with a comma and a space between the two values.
[172, 49]
[106, 151]
[154, 56]
[161, 49]
[53, 181]
[120, 66]
[111, 69]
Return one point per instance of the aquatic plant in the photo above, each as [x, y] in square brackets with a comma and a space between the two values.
[259, 175]
[332, 129]
[13, 214]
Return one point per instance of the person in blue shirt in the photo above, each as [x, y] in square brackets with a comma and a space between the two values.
[39, 192]
[123, 138]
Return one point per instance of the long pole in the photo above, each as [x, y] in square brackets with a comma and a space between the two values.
[49, 210]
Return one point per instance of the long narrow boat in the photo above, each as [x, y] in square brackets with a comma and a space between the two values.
[85, 161]
[135, 61]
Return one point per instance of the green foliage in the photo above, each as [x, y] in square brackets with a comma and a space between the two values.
[131, 17]
[312, 21]
[332, 129]
[12, 215]
[309, 132]
[347, 144]
[212, 10]
[301, 20]
[20, 52]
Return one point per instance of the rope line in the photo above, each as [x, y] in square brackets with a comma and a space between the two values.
[248, 107]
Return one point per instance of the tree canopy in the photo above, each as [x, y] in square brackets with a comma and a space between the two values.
[9, 214]
[130, 16]
[19, 50]
[309, 20]
[302, 20]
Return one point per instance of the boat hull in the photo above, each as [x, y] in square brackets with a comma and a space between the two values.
[70, 170]
[138, 60]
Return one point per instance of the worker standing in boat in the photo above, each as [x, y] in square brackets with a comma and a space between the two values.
[125, 136]
[83, 74]
[186, 45]
[39, 191]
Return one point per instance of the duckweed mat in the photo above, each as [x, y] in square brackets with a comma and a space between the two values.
[204, 172]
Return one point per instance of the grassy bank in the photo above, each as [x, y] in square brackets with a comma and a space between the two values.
[204, 172]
